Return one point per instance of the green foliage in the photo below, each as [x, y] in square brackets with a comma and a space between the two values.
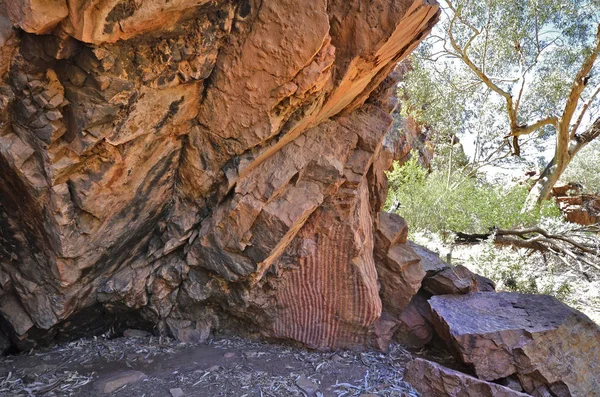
[429, 201]
[585, 168]
[513, 271]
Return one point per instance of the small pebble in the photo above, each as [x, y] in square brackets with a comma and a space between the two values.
[176, 392]
[306, 385]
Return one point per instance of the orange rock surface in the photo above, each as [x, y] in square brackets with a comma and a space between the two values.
[192, 165]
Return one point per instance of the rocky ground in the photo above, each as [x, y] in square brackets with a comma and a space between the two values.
[151, 366]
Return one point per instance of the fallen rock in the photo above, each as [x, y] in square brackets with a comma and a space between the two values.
[178, 392]
[456, 281]
[400, 274]
[111, 382]
[446, 282]
[430, 261]
[433, 380]
[445, 279]
[187, 331]
[399, 267]
[307, 386]
[415, 326]
[383, 332]
[546, 344]
[478, 282]
[392, 229]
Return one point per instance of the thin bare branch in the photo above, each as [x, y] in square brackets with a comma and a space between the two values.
[529, 128]
[584, 110]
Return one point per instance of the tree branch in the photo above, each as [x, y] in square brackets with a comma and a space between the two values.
[573, 98]
[529, 128]
[537, 239]
[583, 111]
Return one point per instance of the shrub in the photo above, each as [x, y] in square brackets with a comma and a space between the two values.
[429, 201]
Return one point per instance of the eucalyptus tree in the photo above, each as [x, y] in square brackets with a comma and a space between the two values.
[516, 72]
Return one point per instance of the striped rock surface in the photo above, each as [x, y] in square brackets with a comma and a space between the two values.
[191, 165]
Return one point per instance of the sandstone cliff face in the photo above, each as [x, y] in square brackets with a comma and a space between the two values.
[190, 164]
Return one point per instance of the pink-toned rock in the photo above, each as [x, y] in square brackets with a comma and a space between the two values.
[400, 274]
[398, 265]
[549, 346]
[415, 323]
[433, 380]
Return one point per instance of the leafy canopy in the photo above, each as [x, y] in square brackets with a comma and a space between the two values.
[530, 49]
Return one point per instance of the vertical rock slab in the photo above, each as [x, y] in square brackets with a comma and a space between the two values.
[549, 346]
[398, 265]
[331, 300]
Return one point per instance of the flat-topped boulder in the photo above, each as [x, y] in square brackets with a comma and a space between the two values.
[551, 348]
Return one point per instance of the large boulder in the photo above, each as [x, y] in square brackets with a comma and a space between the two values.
[414, 326]
[434, 380]
[551, 348]
[196, 165]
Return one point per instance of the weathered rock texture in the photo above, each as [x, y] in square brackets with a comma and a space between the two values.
[190, 163]
[552, 349]
[414, 324]
[434, 380]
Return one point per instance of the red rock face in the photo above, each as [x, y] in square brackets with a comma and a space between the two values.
[577, 207]
[191, 164]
